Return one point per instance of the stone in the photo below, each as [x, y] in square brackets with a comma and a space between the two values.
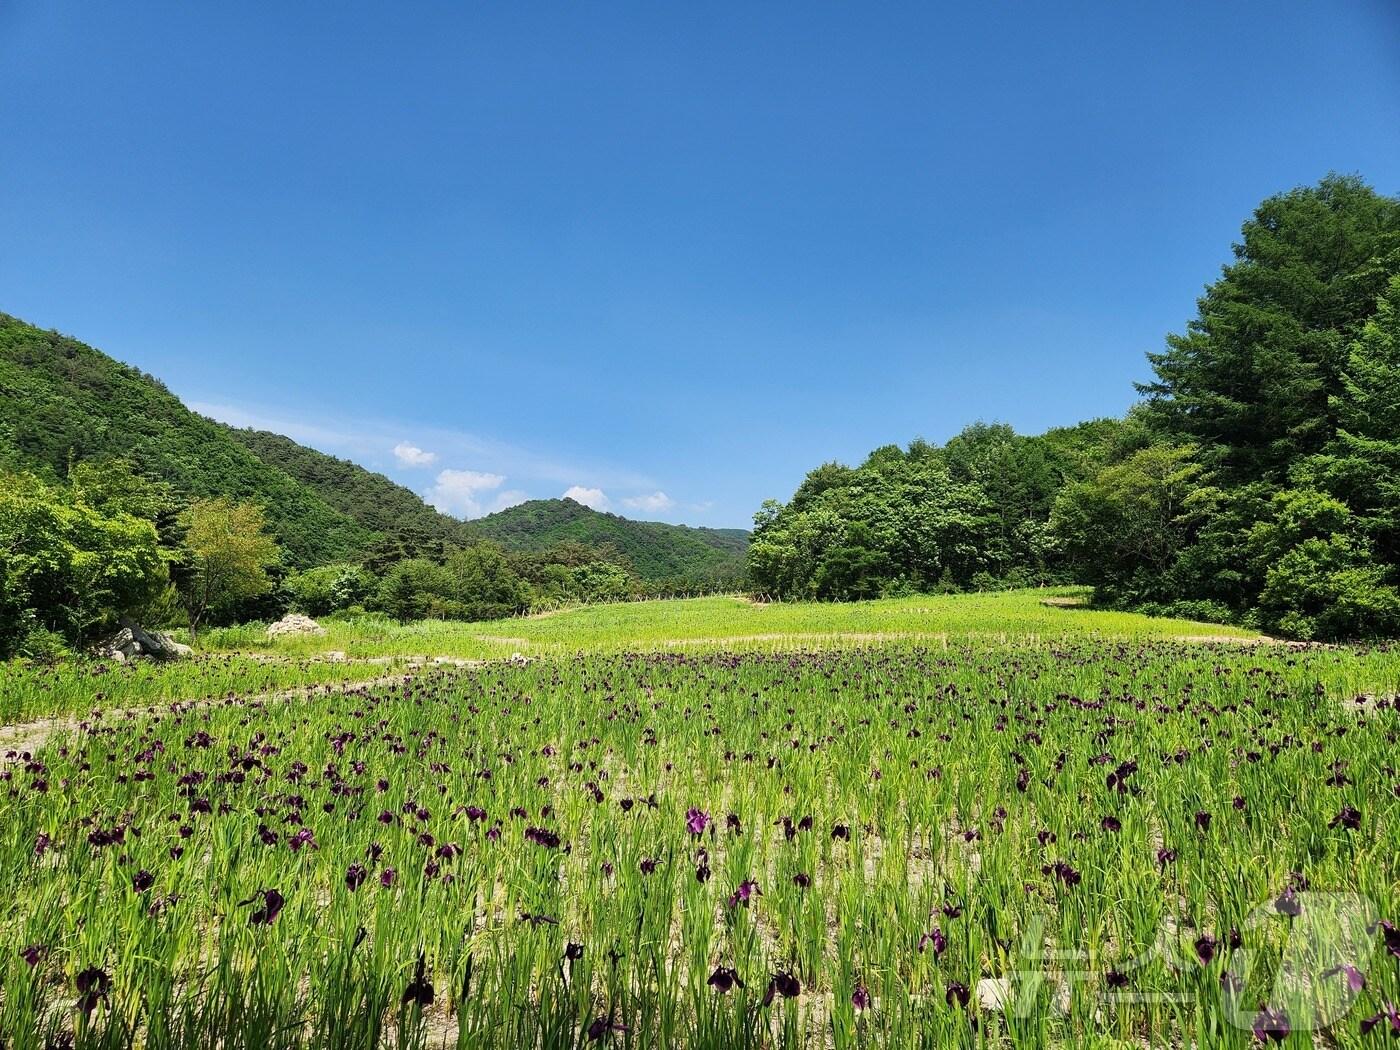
[294, 624]
[132, 641]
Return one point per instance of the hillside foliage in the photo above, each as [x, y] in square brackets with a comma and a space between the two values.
[678, 558]
[1256, 483]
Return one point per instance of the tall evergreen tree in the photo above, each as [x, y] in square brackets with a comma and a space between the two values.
[1255, 379]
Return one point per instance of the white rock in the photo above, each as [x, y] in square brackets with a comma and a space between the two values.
[293, 624]
[994, 993]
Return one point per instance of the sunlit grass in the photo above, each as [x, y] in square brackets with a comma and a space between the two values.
[490, 817]
[1000, 616]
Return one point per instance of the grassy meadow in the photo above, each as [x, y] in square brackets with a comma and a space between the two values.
[241, 661]
[731, 620]
[973, 820]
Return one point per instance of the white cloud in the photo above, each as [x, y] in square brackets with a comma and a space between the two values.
[460, 492]
[371, 439]
[594, 498]
[655, 503]
[413, 456]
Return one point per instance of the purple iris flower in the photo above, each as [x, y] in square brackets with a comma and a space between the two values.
[724, 978]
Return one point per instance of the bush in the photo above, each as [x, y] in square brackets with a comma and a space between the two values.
[1327, 589]
[329, 589]
[44, 646]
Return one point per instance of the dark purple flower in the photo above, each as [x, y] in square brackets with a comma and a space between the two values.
[1288, 903]
[724, 978]
[142, 881]
[696, 820]
[542, 837]
[1390, 934]
[32, 954]
[602, 1026]
[420, 989]
[957, 992]
[1064, 872]
[748, 889]
[1114, 979]
[1205, 948]
[802, 880]
[266, 913]
[1348, 817]
[1111, 824]
[1356, 980]
[1388, 1013]
[387, 876]
[93, 984]
[647, 866]
[784, 984]
[841, 831]
[860, 998]
[355, 876]
[934, 938]
[1118, 779]
[1202, 820]
[1271, 1023]
[303, 837]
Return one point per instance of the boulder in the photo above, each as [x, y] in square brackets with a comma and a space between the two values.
[294, 624]
[132, 641]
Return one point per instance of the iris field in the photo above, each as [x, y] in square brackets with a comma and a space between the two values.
[1080, 836]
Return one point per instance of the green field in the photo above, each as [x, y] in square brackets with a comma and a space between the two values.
[1002, 616]
[241, 660]
[973, 820]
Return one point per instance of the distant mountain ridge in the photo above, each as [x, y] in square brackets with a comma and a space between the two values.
[657, 550]
[62, 400]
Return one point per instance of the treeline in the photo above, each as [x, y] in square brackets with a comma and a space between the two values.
[108, 543]
[1257, 483]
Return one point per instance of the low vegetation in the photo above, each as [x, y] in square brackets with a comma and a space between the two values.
[963, 842]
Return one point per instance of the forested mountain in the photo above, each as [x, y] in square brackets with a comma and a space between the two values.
[370, 498]
[1257, 482]
[656, 550]
[63, 402]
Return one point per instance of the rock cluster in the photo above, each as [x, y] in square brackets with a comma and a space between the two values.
[134, 641]
[294, 623]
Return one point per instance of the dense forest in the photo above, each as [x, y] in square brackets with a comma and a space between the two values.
[1257, 482]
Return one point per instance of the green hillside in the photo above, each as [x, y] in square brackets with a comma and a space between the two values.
[655, 549]
[62, 401]
[370, 498]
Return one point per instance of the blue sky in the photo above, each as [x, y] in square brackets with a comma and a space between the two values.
[671, 256]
